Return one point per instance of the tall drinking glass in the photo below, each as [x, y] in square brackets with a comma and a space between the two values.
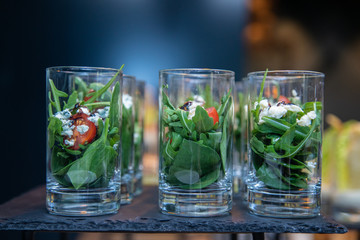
[240, 139]
[196, 125]
[83, 138]
[127, 139]
[139, 136]
[286, 124]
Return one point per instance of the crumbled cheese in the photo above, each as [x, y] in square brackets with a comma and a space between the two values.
[294, 93]
[103, 112]
[277, 111]
[262, 114]
[94, 118]
[67, 132]
[70, 142]
[304, 121]
[264, 104]
[127, 101]
[84, 110]
[82, 129]
[115, 146]
[311, 114]
[63, 115]
[292, 107]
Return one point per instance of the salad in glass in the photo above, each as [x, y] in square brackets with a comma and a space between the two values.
[196, 143]
[84, 133]
[285, 139]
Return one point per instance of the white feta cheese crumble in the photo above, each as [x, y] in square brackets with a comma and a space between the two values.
[70, 142]
[264, 104]
[67, 132]
[277, 111]
[304, 121]
[103, 112]
[292, 107]
[115, 146]
[82, 129]
[311, 114]
[198, 101]
[127, 101]
[84, 110]
[95, 118]
[63, 115]
[294, 93]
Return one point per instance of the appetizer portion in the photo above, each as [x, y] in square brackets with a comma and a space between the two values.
[285, 139]
[196, 140]
[83, 133]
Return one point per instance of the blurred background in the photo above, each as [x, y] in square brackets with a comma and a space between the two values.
[146, 36]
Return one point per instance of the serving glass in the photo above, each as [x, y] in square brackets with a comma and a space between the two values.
[285, 137]
[83, 137]
[195, 150]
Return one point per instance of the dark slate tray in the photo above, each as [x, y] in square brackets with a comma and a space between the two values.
[27, 212]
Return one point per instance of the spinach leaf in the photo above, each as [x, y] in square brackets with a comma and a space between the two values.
[203, 123]
[196, 157]
[97, 161]
[205, 181]
[224, 143]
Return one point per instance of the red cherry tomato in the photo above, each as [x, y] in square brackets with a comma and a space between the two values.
[283, 99]
[213, 114]
[87, 137]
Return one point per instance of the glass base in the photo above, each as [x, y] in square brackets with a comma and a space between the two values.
[68, 202]
[138, 187]
[195, 203]
[284, 204]
[127, 190]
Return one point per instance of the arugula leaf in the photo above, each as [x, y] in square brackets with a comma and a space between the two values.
[71, 100]
[56, 94]
[102, 90]
[165, 98]
[114, 112]
[54, 128]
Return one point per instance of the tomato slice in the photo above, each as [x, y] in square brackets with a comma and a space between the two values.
[82, 137]
[283, 99]
[213, 114]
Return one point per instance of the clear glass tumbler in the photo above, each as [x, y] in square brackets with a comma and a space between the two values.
[139, 136]
[285, 138]
[83, 138]
[240, 139]
[196, 125]
[127, 139]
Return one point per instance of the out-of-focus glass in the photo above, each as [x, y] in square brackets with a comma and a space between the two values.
[83, 139]
[127, 139]
[139, 136]
[240, 139]
[285, 138]
[196, 126]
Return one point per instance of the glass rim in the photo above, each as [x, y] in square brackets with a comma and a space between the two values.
[198, 71]
[288, 74]
[74, 69]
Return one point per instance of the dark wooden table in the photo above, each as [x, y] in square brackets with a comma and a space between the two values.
[28, 213]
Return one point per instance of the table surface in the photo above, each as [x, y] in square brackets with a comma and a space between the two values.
[28, 212]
